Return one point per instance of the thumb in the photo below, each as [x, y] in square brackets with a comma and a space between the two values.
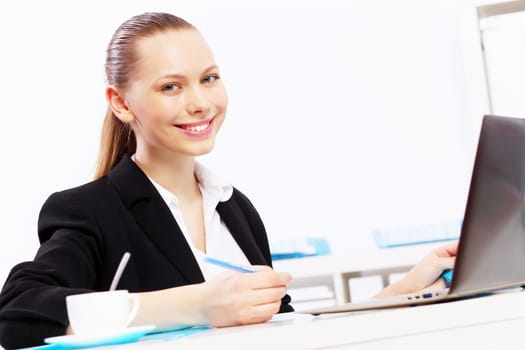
[447, 263]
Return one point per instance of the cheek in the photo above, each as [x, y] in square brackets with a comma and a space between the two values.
[220, 99]
[159, 111]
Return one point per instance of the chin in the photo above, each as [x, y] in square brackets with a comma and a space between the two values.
[203, 150]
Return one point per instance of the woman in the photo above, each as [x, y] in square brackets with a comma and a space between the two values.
[166, 104]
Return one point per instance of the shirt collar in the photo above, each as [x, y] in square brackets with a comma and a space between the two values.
[209, 182]
[213, 184]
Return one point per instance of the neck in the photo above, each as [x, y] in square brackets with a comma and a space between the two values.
[173, 172]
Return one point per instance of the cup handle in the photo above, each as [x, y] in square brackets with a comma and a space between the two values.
[135, 301]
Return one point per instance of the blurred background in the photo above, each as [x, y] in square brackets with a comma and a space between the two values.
[344, 117]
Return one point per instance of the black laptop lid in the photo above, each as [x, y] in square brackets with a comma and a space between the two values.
[491, 252]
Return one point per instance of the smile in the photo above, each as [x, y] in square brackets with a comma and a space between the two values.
[198, 129]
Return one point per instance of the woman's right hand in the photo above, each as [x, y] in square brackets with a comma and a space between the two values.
[233, 298]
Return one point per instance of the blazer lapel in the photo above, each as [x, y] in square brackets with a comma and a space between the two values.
[154, 217]
[240, 229]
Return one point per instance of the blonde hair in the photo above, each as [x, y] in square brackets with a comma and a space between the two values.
[117, 138]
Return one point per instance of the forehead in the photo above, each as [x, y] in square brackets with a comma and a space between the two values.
[172, 52]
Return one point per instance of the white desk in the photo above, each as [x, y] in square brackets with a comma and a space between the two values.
[481, 323]
[336, 270]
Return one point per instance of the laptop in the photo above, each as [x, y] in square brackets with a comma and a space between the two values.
[491, 250]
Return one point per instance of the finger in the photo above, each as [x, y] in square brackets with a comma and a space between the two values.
[267, 295]
[447, 263]
[449, 249]
[263, 312]
[268, 279]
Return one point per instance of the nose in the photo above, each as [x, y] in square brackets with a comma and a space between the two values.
[196, 101]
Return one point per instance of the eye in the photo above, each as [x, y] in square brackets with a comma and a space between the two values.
[210, 78]
[170, 88]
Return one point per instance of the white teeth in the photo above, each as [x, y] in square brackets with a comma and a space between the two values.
[196, 128]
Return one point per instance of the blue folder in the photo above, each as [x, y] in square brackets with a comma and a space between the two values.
[299, 248]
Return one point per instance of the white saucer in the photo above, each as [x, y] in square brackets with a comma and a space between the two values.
[127, 335]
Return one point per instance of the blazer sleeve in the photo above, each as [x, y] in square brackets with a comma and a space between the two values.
[32, 301]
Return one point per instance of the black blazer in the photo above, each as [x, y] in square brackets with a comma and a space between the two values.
[83, 233]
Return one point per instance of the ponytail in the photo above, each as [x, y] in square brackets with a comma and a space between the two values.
[117, 139]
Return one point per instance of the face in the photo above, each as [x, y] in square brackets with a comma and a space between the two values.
[176, 102]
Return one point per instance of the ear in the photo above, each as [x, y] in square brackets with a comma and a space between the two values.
[119, 105]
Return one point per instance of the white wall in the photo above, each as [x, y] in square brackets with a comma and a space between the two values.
[344, 115]
[503, 40]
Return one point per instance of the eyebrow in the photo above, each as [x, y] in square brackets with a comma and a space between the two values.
[181, 76]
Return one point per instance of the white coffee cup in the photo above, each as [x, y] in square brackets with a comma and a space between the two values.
[101, 312]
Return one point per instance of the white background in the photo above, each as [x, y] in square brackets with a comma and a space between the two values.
[504, 42]
[344, 116]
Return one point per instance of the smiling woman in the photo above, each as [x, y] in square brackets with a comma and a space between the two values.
[166, 104]
[150, 197]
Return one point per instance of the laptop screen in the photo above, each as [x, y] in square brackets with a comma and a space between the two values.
[491, 252]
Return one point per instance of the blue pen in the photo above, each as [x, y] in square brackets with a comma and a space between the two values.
[227, 265]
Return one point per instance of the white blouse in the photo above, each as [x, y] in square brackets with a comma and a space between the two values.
[219, 242]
